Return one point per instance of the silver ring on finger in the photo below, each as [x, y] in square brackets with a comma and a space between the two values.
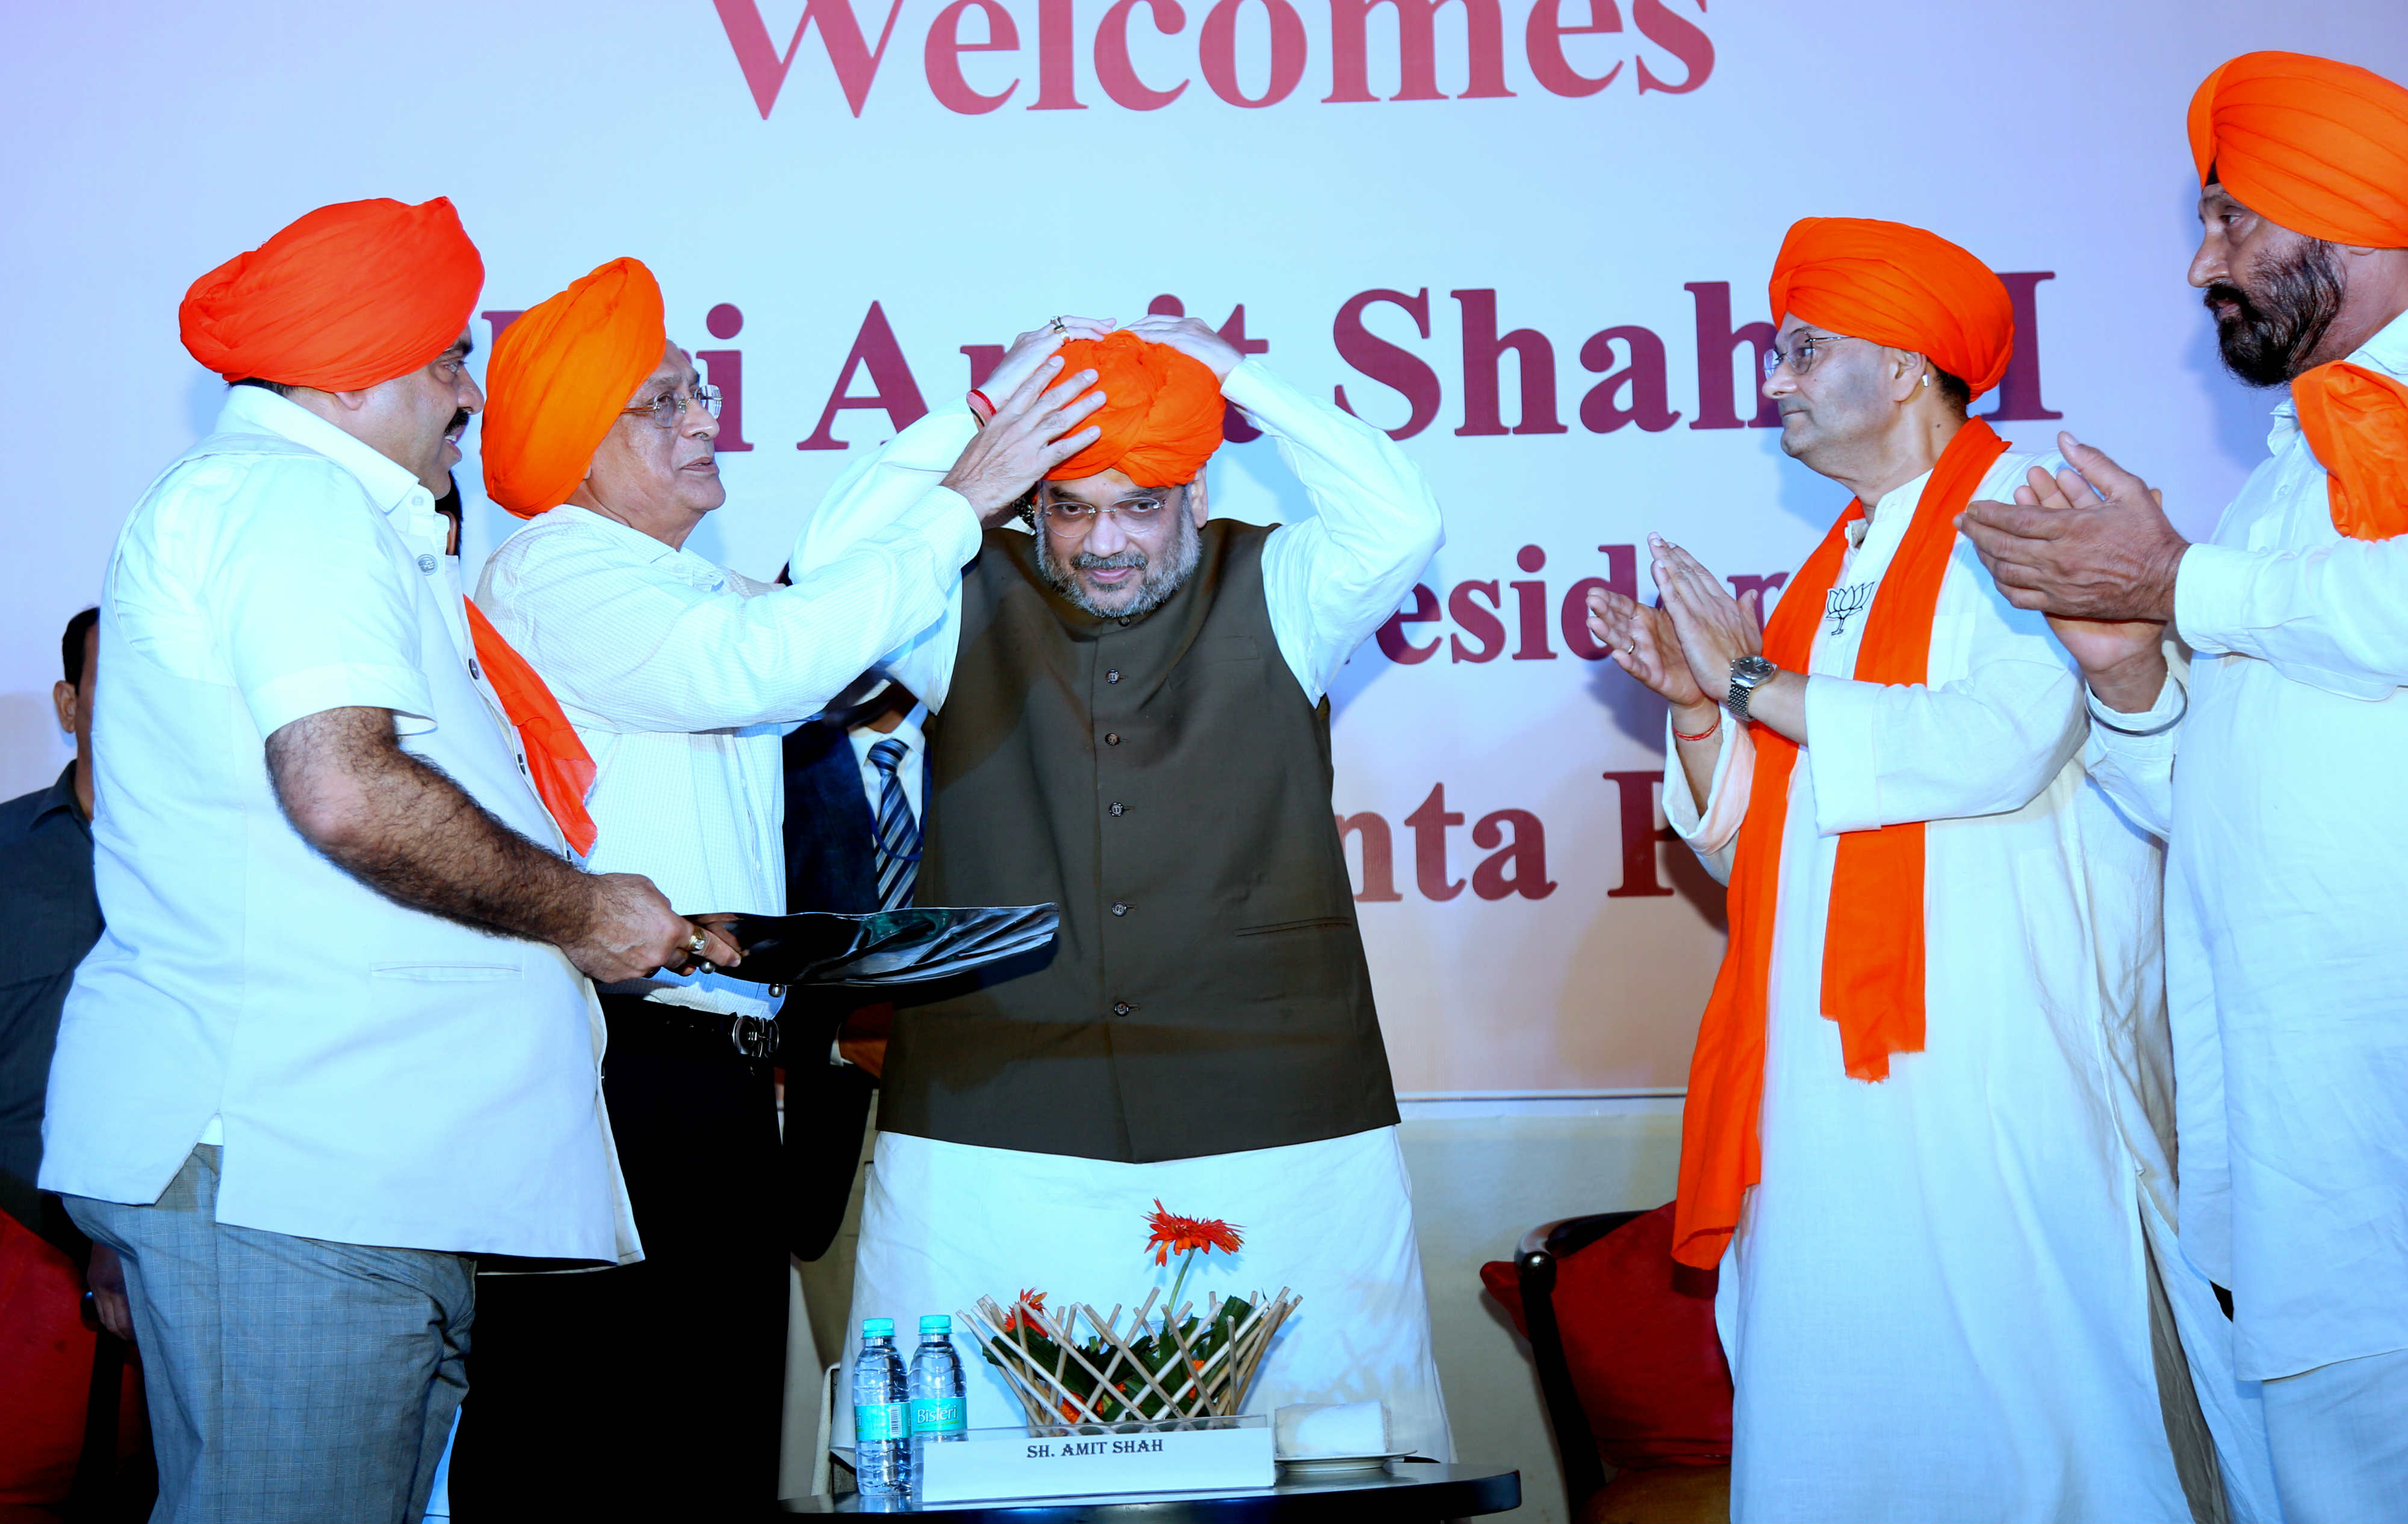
[696, 943]
[1058, 326]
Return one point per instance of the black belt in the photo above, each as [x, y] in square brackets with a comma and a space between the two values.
[641, 1025]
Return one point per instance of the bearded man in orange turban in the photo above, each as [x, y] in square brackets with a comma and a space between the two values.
[2290, 1002]
[677, 677]
[339, 1038]
[1130, 720]
[1909, 1141]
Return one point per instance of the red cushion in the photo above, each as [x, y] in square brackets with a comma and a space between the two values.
[45, 1368]
[1638, 1336]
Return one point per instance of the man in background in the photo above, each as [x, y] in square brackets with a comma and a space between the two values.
[56, 1372]
[337, 1040]
[852, 844]
[2274, 779]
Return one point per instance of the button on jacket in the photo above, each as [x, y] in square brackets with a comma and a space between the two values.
[377, 1075]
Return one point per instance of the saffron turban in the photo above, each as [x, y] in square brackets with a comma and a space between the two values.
[349, 296]
[1900, 286]
[1161, 417]
[2319, 146]
[559, 378]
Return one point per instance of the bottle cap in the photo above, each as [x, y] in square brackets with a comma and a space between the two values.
[936, 1323]
[877, 1327]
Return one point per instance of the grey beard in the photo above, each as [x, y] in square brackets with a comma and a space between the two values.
[1153, 590]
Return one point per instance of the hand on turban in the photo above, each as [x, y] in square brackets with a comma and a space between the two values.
[559, 378]
[2320, 148]
[1900, 286]
[1161, 418]
[347, 296]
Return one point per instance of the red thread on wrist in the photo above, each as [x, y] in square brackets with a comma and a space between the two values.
[1702, 734]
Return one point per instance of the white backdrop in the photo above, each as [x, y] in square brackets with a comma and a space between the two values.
[780, 196]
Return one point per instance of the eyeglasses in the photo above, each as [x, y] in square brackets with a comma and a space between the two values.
[668, 410]
[1799, 357]
[1067, 517]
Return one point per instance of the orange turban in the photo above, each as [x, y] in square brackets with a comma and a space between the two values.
[1900, 286]
[2319, 146]
[1162, 419]
[559, 378]
[349, 296]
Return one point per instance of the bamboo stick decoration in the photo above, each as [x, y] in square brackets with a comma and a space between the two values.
[1212, 1386]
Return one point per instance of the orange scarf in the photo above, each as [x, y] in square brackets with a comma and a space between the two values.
[1872, 949]
[558, 762]
[2357, 421]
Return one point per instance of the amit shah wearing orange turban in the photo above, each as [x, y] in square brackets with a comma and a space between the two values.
[1161, 420]
[347, 296]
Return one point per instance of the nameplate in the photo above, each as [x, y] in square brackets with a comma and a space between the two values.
[1000, 1463]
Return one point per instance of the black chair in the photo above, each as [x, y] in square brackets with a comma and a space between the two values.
[1534, 1268]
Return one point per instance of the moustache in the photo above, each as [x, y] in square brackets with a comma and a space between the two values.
[1124, 560]
[2223, 294]
[459, 422]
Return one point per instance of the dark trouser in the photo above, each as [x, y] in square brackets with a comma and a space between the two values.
[658, 1385]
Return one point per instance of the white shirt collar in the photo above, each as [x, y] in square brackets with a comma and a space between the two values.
[2386, 351]
[255, 409]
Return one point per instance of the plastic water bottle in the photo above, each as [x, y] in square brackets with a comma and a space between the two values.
[939, 1412]
[882, 1415]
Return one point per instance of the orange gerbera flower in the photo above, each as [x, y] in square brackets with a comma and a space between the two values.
[1175, 1234]
[1029, 1310]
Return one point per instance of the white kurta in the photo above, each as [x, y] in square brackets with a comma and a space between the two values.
[1936, 1304]
[2286, 831]
[943, 1224]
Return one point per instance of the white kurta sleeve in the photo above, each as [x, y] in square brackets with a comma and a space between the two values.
[2137, 771]
[1887, 753]
[1338, 576]
[2334, 617]
[903, 477]
[1712, 831]
[653, 654]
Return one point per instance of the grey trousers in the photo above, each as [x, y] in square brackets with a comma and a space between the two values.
[291, 1381]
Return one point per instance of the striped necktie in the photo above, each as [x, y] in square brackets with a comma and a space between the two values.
[899, 834]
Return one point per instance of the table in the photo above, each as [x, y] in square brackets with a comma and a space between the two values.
[1410, 1492]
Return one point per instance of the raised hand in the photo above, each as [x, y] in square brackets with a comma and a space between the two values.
[1191, 339]
[1034, 429]
[1645, 645]
[1714, 628]
[1030, 349]
[2091, 543]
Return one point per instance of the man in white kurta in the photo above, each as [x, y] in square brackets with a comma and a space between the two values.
[2274, 779]
[1269, 1107]
[1936, 1302]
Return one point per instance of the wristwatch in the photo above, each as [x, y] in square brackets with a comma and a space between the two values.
[1747, 674]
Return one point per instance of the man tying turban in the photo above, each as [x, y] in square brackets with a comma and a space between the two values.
[2288, 1000]
[1909, 1141]
[677, 677]
[337, 1042]
[1130, 721]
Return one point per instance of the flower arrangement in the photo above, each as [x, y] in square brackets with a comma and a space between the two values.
[1172, 1368]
